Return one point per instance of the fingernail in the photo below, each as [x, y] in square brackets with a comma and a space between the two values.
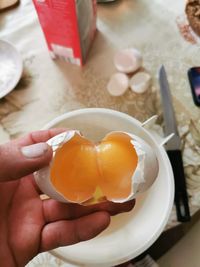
[35, 151]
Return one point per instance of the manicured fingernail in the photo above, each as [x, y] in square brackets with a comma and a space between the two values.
[35, 151]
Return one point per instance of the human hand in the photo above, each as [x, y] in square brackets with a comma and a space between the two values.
[29, 225]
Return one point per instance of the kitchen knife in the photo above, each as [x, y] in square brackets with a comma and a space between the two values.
[173, 148]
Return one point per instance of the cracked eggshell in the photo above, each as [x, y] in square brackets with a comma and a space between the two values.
[118, 84]
[140, 82]
[128, 60]
[143, 177]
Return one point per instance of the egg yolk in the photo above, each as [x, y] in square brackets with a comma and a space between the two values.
[83, 171]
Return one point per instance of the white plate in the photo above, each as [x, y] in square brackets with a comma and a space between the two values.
[11, 67]
[129, 234]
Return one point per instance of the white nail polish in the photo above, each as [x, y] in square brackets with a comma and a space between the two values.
[35, 151]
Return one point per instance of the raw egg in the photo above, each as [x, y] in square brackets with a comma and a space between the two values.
[116, 168]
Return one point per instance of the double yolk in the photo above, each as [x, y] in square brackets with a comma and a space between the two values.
[85, 172]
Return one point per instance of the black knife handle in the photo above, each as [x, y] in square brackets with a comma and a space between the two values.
[181, 197]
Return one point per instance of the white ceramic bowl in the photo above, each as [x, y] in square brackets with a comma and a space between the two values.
[11, 67]
[129, 234]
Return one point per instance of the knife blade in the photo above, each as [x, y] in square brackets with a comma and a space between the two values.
[173, 148]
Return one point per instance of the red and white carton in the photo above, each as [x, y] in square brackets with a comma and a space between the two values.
[69, 27]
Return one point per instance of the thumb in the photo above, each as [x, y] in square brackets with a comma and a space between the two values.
[17, 161]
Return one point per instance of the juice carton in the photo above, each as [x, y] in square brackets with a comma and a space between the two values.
[69, 27]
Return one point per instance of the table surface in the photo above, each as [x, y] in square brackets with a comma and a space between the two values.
[49, 88]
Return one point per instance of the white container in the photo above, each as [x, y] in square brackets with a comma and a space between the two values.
[129, 234]
[11, 67]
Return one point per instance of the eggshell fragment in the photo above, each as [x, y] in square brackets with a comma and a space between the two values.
[128, 60]
[149, 165]
[118, 84]
[143, 174]
[140, 82]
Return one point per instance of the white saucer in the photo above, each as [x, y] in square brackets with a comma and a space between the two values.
[11, 67]
[129, 234]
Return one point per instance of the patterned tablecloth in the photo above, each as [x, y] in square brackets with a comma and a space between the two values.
[47, 89]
